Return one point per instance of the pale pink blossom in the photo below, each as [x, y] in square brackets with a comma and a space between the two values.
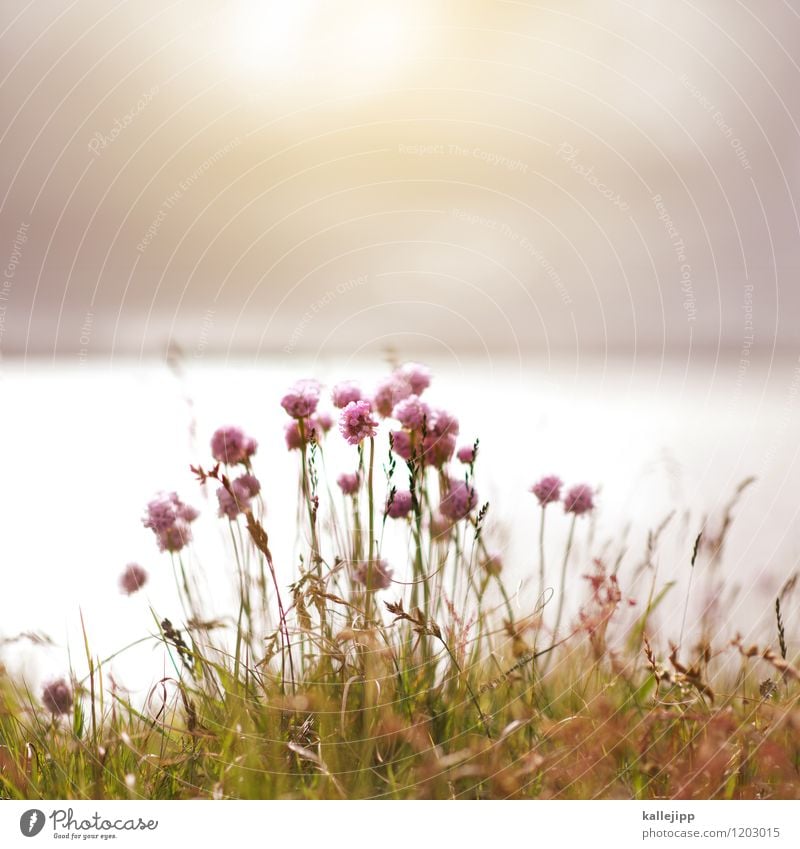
[349, 482]
[411, 412]
[418, 377]
[302, 399]
[548, 489]
[132, 579]
[579, 499]
[459, 500]
[356, 422]
[466, 454]
[374, 576]
[231, 445]
[345, 392]
[399, 505]
[169, 518]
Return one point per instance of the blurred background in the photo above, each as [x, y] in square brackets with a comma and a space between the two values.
[582, 215]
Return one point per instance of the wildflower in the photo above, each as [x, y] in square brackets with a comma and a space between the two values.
[323, 422]
[399, 506]
[57, 697]
[169, 518]
[345, 392]
[401, 444]
[349, 482]
[132, 579]
[389, 393]
[411, 412]
[374, 576]
[580, 499]
[231, 445]
[356, 422]
[244, 489]
[548, 489]
[439, 444]
[291, 432]
[302, 398]
[417, 376]
[439, 526]
[466, 454]
[459, 501]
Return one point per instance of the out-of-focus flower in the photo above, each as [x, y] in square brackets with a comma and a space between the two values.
[323, 421]
[459, 500]
[349, 482]
[579, 499]
[548, 489]
[311, 429]
[466, 454]
[389, 393]
[57, 697]
[356, 422]
[132, 579]
[401, 444]
[418, 377]
[345, 392]
[439, 526]
[374, 576]
[168, 517]
[411, 412]
[439, 444]
[244, 488]
[231, 445]
[400, 504]
[302, 399]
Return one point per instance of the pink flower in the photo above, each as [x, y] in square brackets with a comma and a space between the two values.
[439, 526]
[417, 376]
[323, 422]
[230, 445]
[580, 499]
[548, 489]
[373, 576]
[459, 501]
[345, 392]
[466, 454]
[57, 697]
[411, 412]
[356, 422]
[244, 488]
[437, 450]
[291, 432]
[400, 505]
[132, 579]
[302, 398]
[349, 483]
[390, 392]
[168, 517]
[401, 444]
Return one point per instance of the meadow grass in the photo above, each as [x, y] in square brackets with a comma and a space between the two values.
[427, 679]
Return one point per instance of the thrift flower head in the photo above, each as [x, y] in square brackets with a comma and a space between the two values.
[345, 392]
[493, 564]
[356, 422]
[244, 488]
[57, 697]
[389, 393]
[132, 579]
[437, 450]
[401, 444]
[373, 576]
[302, 399]
[459, 501]
[230, 445]
[400, 505]
[439, 526]
[349, 483]
[466, 454]
[168, 517]
[323, 422]
[411, 412]
[580, 499]
[548, 489]
[312, 428]
[417, 376]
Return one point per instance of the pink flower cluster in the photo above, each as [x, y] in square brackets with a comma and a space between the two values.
[404, 381]
[245, 488]
[400, 504]
[356, 423]
[302, 399]
[132, 579]
[169, 519]
[373, 576]
[230, 445]
[313, 427]
[57, 697]
[578, 500]
[349, 482]
[459, 500]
